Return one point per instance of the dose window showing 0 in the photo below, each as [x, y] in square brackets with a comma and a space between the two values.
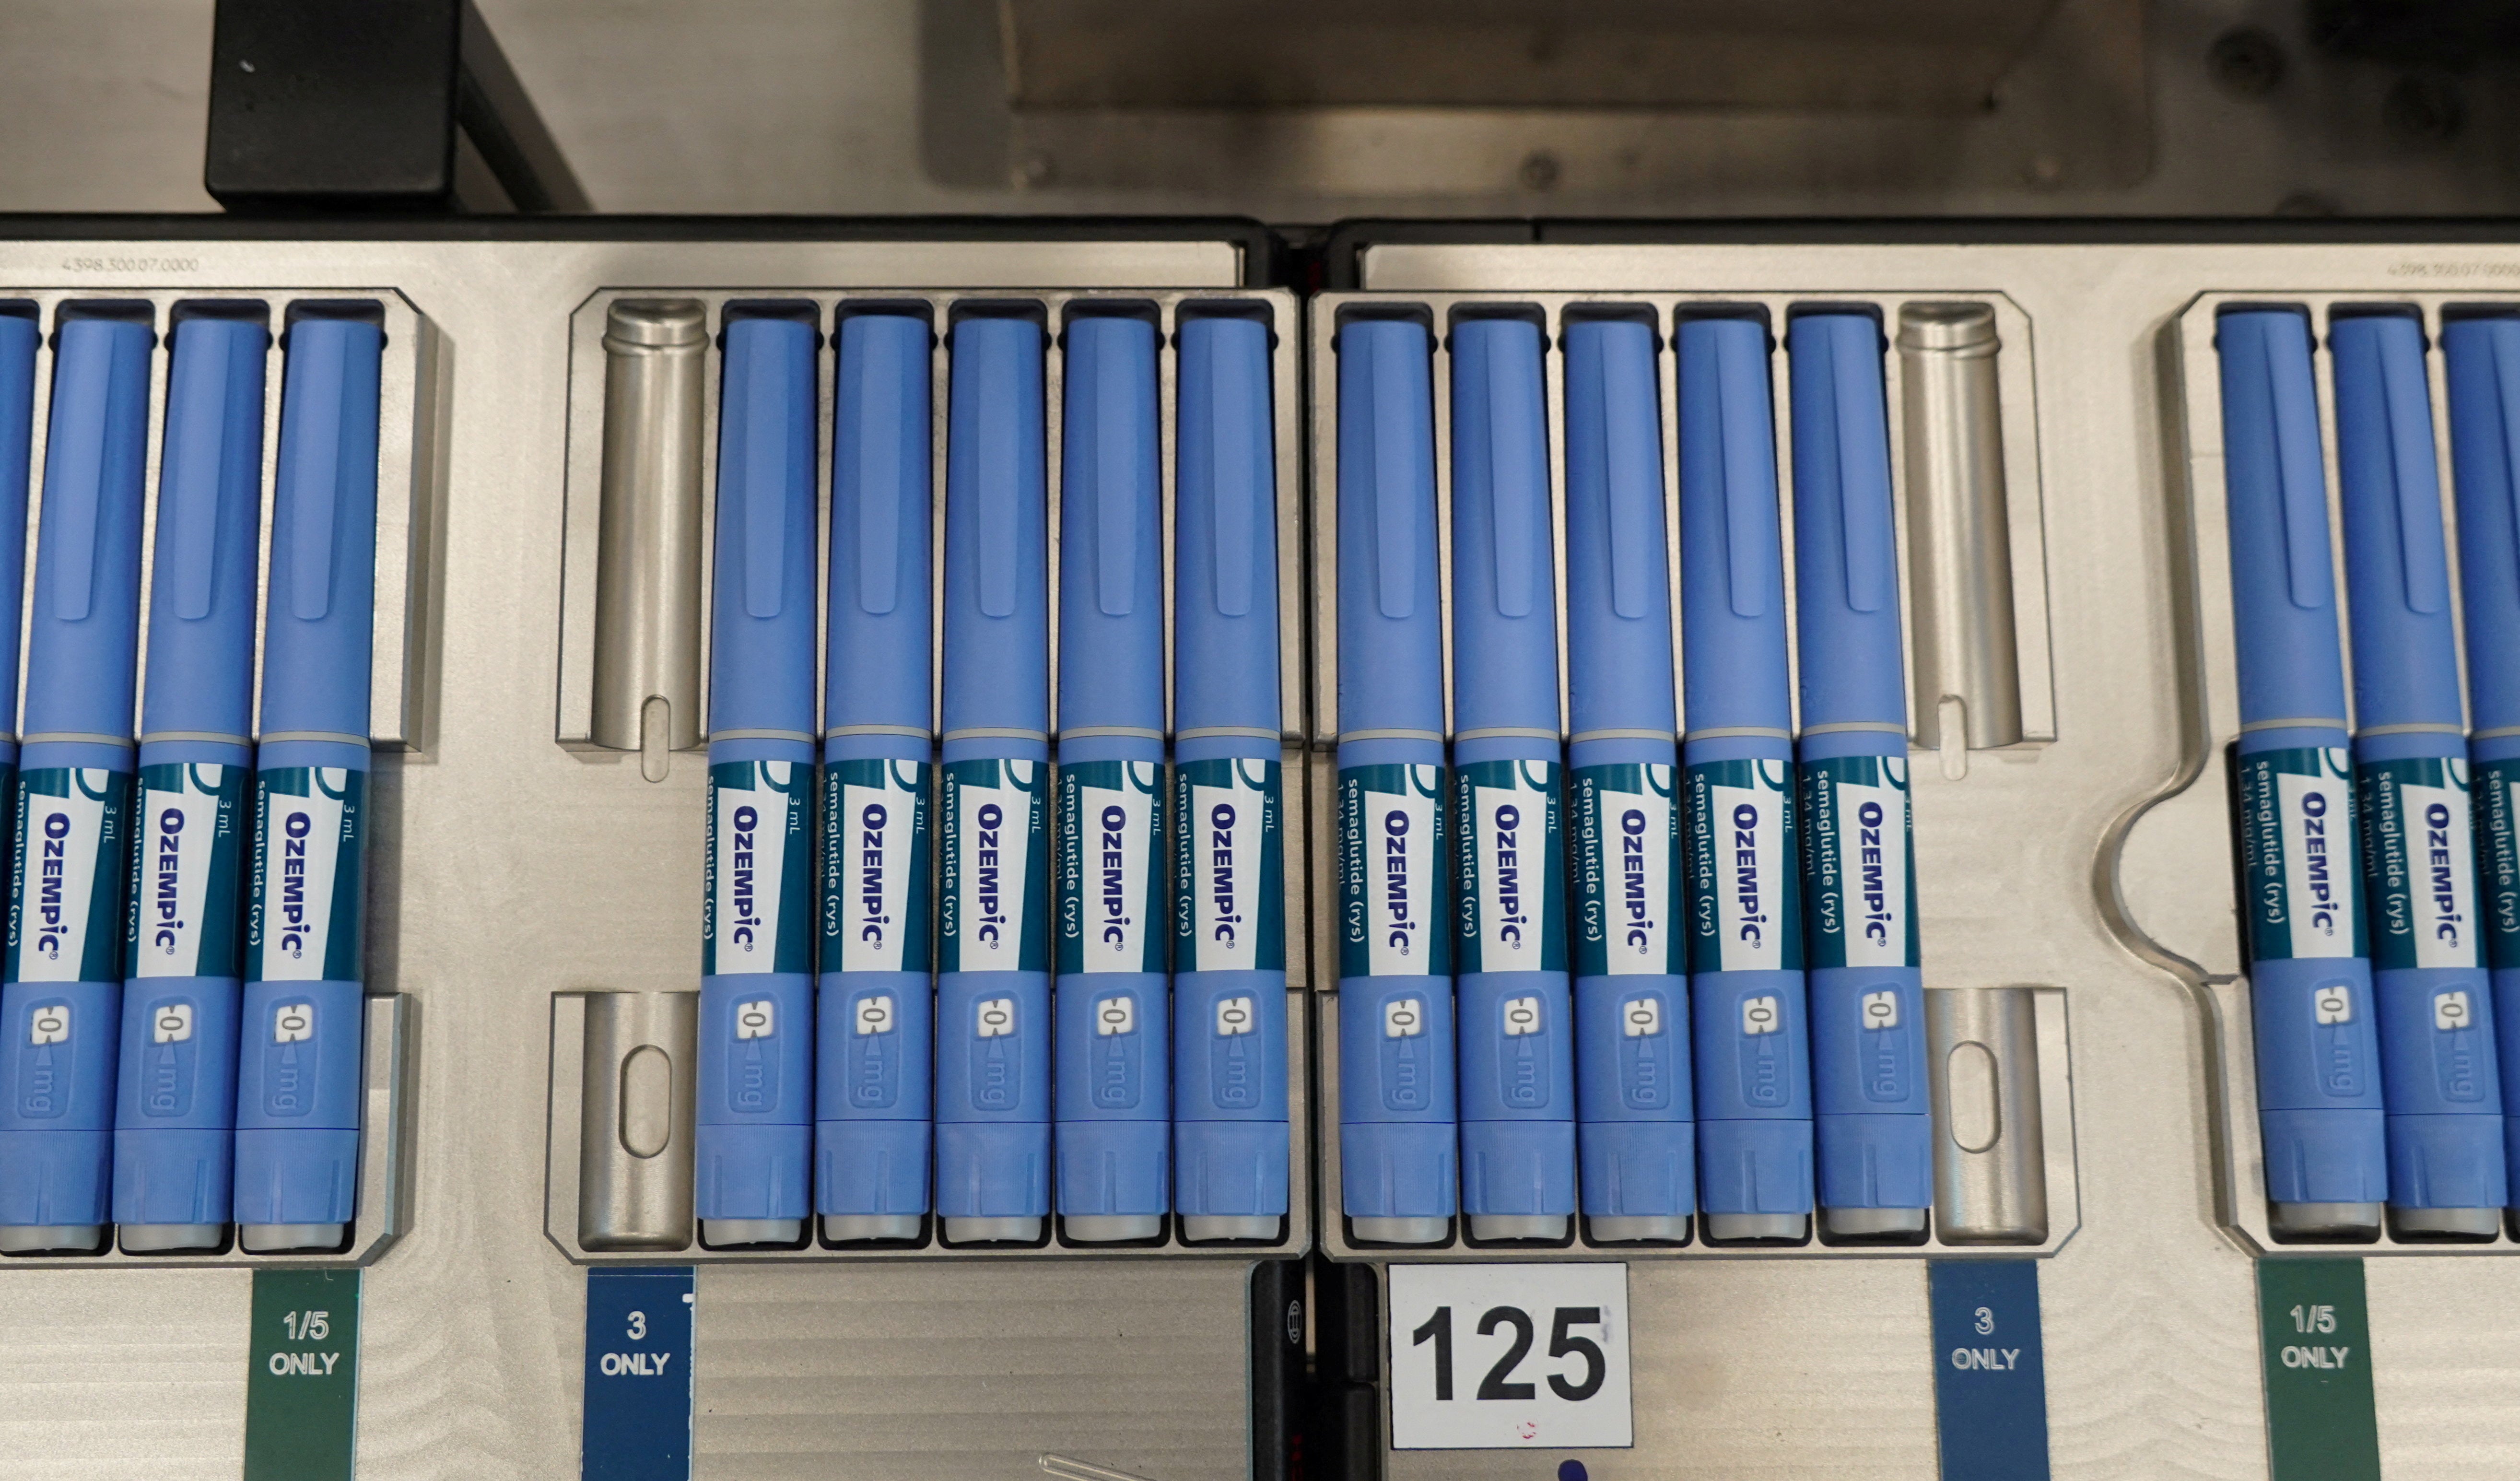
[1509, 1357]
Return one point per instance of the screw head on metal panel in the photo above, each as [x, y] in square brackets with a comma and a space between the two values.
[2246, 62]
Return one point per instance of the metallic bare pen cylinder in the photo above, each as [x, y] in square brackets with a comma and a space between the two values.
[1991, 1144]
[635, 1127]
[1959, 541]
[648, 572]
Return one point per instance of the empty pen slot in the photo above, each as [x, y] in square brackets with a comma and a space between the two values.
[648, 615]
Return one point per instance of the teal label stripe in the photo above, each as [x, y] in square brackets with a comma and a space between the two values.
[187, 911]
[2497, 832]
[993, 912]
[1392, 862]
[876, 865]
[65, 913]
[1857, 862]
[1229, 867]
[756, 910]
[2298, 859]
[2420, 863]
[1510, 902]
[309, 911]
[1629, 884]
[1111, 867]
[1744, 905]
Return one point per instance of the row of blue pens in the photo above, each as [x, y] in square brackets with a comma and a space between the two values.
[1154, 1079]
[1713, 888]
[2380, 970]
[181, 1026]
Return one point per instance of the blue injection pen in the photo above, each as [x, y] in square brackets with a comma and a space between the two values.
[1635, 1103]
[1745, 984]
[1114, 1030]
[2436, 1013]
[993, 1036]
[1872, 1120]
[877, 1014]
[2319, 1103]
[60, 1009]
[174, 1139]
[20, 334]
[2482, 354]
[1397, 1134]
[301, 1028]
[755, 1089]
[1511, 1005]
[1230, 1139]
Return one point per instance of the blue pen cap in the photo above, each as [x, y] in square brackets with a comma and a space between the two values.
[761, 632]
[1618, 582]
[19, 335]
[2283, 594]
[1111, 531]
[82, 651]
[1505, 583]
[1224, 532]
[1732, 551]
[2483, 360]
[2397, 566]
[878, 667]
[210, 520]
[1391, 639]
[320, 622]
[996, 531]
[1845, 553]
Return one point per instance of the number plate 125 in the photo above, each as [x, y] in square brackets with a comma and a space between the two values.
[1504, 1357]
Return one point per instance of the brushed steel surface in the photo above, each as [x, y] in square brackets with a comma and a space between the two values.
[648, 566]
[1989, 1150]
[640, 1058]
[1959, 547]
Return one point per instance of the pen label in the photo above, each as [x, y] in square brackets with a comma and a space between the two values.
[1230, 875]
[72, 828]
[2420, 863]
[1391, 833]
[874, 866]
[1512, 909]
[1627, 867]
[760, 854]
[1111, 867]
[2497, 820]
[2298, 854]
[188, 873]
[1744, 911]
[309, 850]
[1856, 849]
[997, 867]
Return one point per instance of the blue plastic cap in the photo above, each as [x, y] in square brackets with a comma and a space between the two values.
[878, 668]
[1640, 1169]
[1228, 1168]
[1732, 551]
[2447, 1162]
[1224, 532]
[2284, 595]
[176, 1175]
[2325, 1156]
[991, 1169]
[1846, 551]
[997, 569]
[1754, 1167]
[209, 524]
[1113, 1167]
[2483, 358]
[296, 1175]
[82, 653]
[871, 1167]
[2396, 562]
[1505, 580]
[1390, 623]
[18, 337]
[1111, 523]
[761, 632]
[1618, 575]
[1873, 1161]
[54, 1177]
[755, 1170]
[1397, 1169]
[320, 618]
[1517, 1167]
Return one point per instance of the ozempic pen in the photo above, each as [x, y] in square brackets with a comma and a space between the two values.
[1511, 1006]
[2482, 354]
[876, 1023]
[2447, 1179]
[1745, 984]
[755, 1087]
[1635, 1103]
[993, 1026]
[1397, 1134]
[1114, 1026]
[2320, 1105]
[174, 1140]
[60, 1009]
[1230, 1138]
[1872, 1118]
[302, 1029]
[20, 334]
